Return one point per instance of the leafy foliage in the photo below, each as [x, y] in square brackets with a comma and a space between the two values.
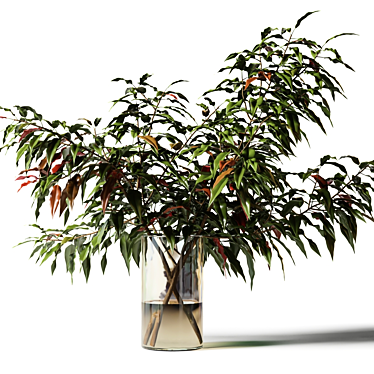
[161, 181]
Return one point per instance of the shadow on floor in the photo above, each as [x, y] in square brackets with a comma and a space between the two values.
[234, 341]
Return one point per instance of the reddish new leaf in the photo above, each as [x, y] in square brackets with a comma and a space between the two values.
[232, 187]
[26, 183]
[57, 167]
[27, 176]
[263, 76]
[223, 164]
[108, 187]
[313, 65]
[81, 154]
[220, 250]
[40, 167]
[206, 190]
[55, 198]
[173, 208]
[27, 132]
[173, 96]
[163, 182]
[240, 219]
[346, 198]
[249, 81]
[321, 181]
[70, 192]
[276, 232]
[205, 168]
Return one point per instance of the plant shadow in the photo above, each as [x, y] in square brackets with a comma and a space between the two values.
[238, 341]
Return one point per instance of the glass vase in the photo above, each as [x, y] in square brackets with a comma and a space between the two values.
[172, 293]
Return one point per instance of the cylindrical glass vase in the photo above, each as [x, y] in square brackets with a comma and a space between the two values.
[172, 293]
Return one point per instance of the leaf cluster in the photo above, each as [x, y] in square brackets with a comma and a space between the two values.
[218, 177]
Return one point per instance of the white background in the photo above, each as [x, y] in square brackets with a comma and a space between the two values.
[59, 57]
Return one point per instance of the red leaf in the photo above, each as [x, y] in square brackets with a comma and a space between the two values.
[263, 76]
[240, 218]
[2, 117]
[313, 65]
[150, 223]
[70, 191]
[220, 250]
[56, 168]
[32, 169]
[205, 168]
[206, 190]
[276, 232]
[173, 208]
[223, 164]
[173, 96]
[81, 154]
[27, 176]
[249, 81]
[26, 183]
[27, 132]
[231, 187]
[162, 182]
[346, 198]
[107, 189]
[321, 181]
[55, 198]
[166, 215]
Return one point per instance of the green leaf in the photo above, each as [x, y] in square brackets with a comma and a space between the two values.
[74, 149]
[293, 122]
[83, 255]
[168, 231]
[238, 176]
[313, 245]
[303, 17]
[295, 223]
[327, 202]
[250, 264]
[217, 190]
[203, 178]
[235, 264]
[125, 249]
[86, 267]
[286, 78]
[21, 151]
[70, 253]
[66, 239]
[103, 263]
[136, 249]
[290, 205]
[353, 158]
[245, 201]
[219, 158]
[98, 237]
[330, 242]
[51, 150]
[50, 252]
[344, 33]
[135, 200]
[117, 219]
[53, 266]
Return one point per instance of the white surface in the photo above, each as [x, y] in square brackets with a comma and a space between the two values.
[59, 57]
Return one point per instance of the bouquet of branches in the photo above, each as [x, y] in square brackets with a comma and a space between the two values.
[218, 176]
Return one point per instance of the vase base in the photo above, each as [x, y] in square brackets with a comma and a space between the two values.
[172, 349]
